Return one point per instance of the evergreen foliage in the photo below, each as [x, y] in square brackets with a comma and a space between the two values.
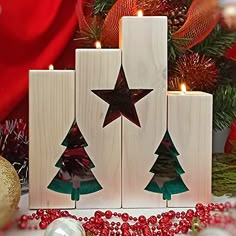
[224, 104]
[101, 7]
[216, 44]
[224, 174]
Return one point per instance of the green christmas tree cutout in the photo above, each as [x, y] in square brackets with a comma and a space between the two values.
[167, 170]
[75, 176]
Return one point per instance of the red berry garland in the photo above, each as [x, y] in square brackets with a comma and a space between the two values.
[168, 223]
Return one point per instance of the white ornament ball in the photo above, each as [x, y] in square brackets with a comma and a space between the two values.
[65, 227]
[214, 232]
[228, 12]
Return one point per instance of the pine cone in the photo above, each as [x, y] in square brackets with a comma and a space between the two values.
[177, 17]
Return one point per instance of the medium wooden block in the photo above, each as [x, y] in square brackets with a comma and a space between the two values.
[97, 69]
[190, 126]
[51, 113]
[143, 41]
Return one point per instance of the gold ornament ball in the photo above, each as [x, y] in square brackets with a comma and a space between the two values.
[10, 191]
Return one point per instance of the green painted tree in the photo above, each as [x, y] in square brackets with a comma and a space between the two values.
[75, 176]
[167, 170]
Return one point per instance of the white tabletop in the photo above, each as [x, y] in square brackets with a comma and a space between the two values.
[23, 209]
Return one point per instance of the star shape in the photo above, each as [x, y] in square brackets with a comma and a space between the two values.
[121, 100]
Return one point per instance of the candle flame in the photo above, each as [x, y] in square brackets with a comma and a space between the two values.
[139, 13]
[183, 88]
[98, 44]
[51, 67]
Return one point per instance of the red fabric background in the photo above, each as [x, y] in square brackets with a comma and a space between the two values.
[33, 35]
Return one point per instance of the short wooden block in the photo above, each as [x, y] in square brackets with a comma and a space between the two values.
[97, 69]
[190, 127]
[51, 113]
[143, 41]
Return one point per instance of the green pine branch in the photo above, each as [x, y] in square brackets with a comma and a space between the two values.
[89, 36]
[188, 3]
[224, 104]
[215, 45]
[175, 48]
[224, 174]
[227, 70]
[101, 7]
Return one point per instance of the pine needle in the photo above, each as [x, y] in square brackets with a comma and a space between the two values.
[216, 43]
[101, 7]
[88, 37]
[223, 176]
[224, 103]
[174, 47]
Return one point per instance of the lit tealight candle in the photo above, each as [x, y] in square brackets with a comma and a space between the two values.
[143, 41]
[51, 111]
[139, 13]
[98, 69]
[51, 67]
[98, 44]
[183, 88]
[190, 125]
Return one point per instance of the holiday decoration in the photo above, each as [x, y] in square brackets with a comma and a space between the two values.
[198, 72]
[175, 10]
[143, 41]
[225, 111]
[224, 174]
[10, 191]
[122, 100]
[204, 15]
[75, 176]
[190, 127]
[172, 222]
[155, 8]
[14, 145]
[195, 31]
[65, 227]
[137, 69]
[167, 171]
[228, 9]
[98, 70]
[110, 32]
[51, 113]
[230, 145]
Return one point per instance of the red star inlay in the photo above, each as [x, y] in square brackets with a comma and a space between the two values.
[121, 100]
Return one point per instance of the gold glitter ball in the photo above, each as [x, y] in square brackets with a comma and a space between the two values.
[10, 191]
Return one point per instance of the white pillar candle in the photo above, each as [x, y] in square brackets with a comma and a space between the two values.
[51, 113]
[98, 69]
[190, 127]
[143, 41]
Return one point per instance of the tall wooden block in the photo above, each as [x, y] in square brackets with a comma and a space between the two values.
[143, 41]
[51, 113]
[98, 69]
[190, 126]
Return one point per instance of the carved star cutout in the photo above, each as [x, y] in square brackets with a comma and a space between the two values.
[121, 100]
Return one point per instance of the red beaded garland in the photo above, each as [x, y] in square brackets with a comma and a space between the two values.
[168, 223]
